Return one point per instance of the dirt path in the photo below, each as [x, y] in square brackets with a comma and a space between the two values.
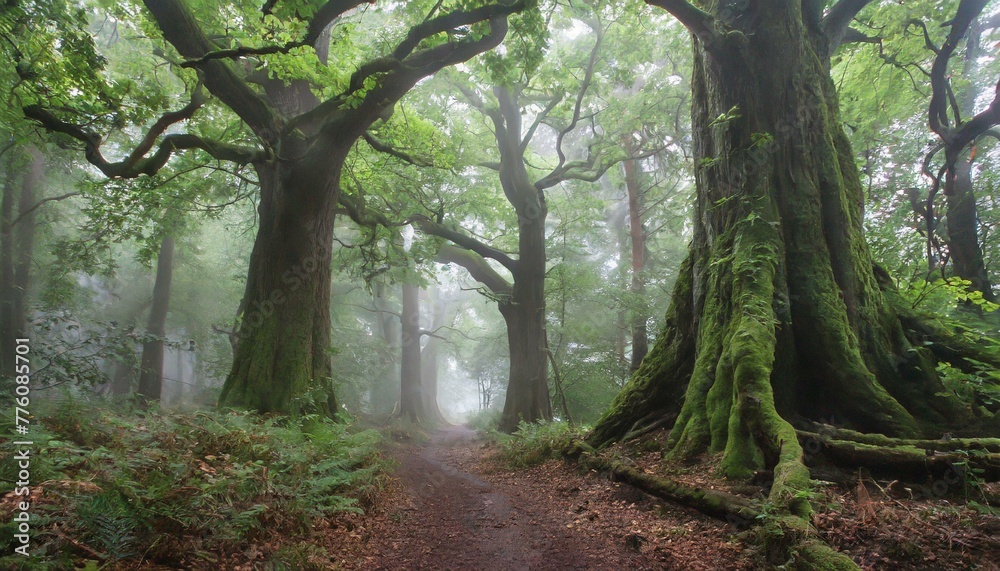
[452, 512]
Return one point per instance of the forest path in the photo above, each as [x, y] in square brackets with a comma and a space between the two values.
[453, 513]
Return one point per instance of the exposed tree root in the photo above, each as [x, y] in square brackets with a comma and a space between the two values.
[900, 461]
[943, 445]
[787, 540]
[733, 509]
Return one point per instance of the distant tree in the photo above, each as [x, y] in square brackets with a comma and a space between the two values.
[520, 104]
[151, 362]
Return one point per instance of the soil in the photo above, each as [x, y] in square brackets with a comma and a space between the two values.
[453, 506]
[452, 509]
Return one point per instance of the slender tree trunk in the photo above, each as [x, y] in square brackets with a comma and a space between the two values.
[443, 316]
[282, 361]
[963, 232]
[778, 310]
[151, 363]
[8, 320]
[411, 395]
[385, 391]
[622, 327]
[637, 234]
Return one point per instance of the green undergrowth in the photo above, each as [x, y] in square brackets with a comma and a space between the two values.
[534, 443]
[116, 485]
[486, 420]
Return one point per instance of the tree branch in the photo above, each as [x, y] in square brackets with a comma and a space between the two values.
[182, 30]
[428, 226]
[476, 266]
[588, 77]
[853, 36]
[321, 19]
[136, 164]
[838, 20]
[553, 103]
[395, 75]
[41, 202]
[382, 147]
[698, 22]
[956, 138]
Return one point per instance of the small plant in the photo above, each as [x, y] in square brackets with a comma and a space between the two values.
[979, 386]
[533, 444]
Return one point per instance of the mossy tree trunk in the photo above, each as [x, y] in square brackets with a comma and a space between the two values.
[284, 340]
[778, 310]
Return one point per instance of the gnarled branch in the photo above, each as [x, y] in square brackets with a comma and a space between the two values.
[477, 267]
[137, 163]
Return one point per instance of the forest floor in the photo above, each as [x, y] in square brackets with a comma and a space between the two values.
[452, 507]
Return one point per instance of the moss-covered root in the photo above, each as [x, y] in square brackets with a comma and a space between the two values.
[789, 542]
[816, 430]
[786, 540]
[904, 462]
[733, 509]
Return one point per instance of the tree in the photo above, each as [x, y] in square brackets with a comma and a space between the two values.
[779, 310]
[443, 313]
[151, 362]
[411, 394]
[519, 105]
[297, 145]
[17, 237]
[953, 119]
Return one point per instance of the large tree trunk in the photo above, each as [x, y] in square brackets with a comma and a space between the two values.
[524, 313]
[151, 363]
[778, 310]
[282, 360]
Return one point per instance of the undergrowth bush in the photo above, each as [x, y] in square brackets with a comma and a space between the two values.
[180, 489]
[534, 443]
[484, 420]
